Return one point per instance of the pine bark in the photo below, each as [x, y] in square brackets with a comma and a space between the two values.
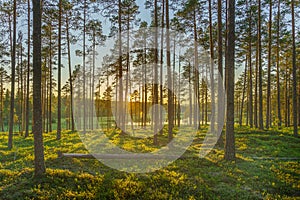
[294, 74]
[39, 162]
[13, 65]
[278, 66]
[260, 70]
[58, 135]
[169, 74]
[230, 141]
[155, 95]
[268, 113]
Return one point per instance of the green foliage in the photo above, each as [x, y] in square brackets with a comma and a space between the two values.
[190, 178]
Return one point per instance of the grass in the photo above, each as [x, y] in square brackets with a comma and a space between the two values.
[191, 178]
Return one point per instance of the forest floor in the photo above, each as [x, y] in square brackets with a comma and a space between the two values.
[191, 178]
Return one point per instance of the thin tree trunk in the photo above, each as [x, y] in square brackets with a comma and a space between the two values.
[196, 73]
[58, 135]
[277, 66]
[84, 68]
[28, 71]
[256, 89]
[161, 64]
[93, 81]
[206, 96]
[127, 65]
[220, 76]
[260, 71]
[70, 75]
[155, 95]
[179, 93]
[294, 72]
[145, 84]
[13, 65]
[1, 102]
[170, 94]
[226, 38]
[250, 105]
[44, 94]
[121, 114]
[22, 87]
[212, 77]
[50, 87]
[288, 103]
[286, 97]
[268, 114]
[190, 96]
[243, 95]
[173, 77]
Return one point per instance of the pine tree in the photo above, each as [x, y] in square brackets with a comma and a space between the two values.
[13, 65]
[230, 59]
[39, 162]
[294, 72]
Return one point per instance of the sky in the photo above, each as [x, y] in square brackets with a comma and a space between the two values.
[145, 15]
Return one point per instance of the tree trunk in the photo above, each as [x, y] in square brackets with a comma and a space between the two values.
[1, 102]
[161, 65]
[70, 74]
[243, 95]
[268, 114]
[196, 73]
[190, 96]
[173, 78]
[93, 82]
[288, 102]
[179, 93]
[230, 141]
[260, 71]
[39, 163]
[256, 89]
[121, 109]
[28, 71]
[84, 67]
[155, 95]
[212, 77]
[277, 66]
[13, 65]
[145, 111]
[294, 72]
[58, 135]
[50, 85]
[250, 105]
[220, 76]
[170, 94]
[127, 64]
[286, 97]
[21, 129]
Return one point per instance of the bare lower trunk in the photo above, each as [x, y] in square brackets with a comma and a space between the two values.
[39, 163]
[28, 71]
[58, 135]
[294, 73]
[70, 75]
[13, 65]
[260, 71]
[278, 67]
[268, 113]
[230, 141]
[155, 95]
[243, 95]
[170, 94]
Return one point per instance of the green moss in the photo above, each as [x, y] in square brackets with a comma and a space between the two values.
[191, 178]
